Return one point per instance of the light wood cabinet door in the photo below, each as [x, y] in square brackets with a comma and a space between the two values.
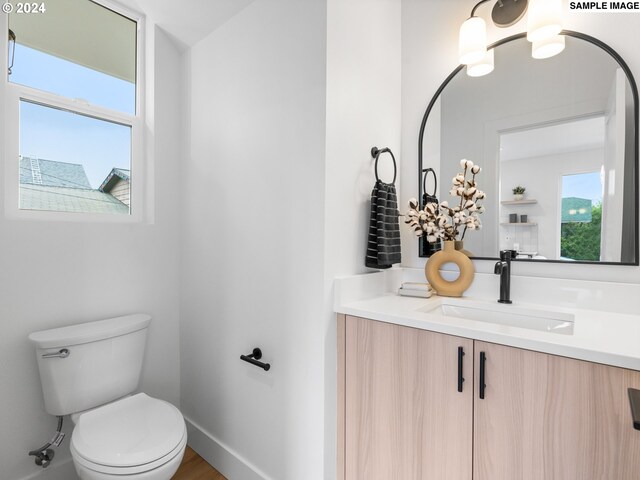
[404, 418]
[546, 417]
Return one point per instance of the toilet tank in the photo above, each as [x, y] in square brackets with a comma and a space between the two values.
[103, 362]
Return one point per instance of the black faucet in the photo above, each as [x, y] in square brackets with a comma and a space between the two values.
[503, 268]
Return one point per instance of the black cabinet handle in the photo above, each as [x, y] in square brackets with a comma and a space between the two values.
[634, 400]
[483, 361]
[460, 377]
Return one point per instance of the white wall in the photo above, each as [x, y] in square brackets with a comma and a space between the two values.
[253, 241]
[429, 38]
[275, 208]
[363, 110]
[56, 273]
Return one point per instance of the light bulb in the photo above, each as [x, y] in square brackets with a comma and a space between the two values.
[472, 45]
[548, 47]
[483, 67]
[544, 19]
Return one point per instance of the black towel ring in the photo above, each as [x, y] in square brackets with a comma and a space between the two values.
[375, 153]
[425, 172]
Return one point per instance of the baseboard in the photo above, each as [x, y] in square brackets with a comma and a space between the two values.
[227, 461]
[63, 470]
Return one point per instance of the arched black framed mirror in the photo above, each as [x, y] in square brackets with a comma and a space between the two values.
[566, 129]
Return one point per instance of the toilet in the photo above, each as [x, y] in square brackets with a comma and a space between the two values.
[91, 371]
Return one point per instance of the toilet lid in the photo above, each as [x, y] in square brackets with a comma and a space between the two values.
[129, 432]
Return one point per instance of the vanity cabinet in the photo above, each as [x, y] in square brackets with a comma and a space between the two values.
[403, 415]
[543, 417]
[546, 417]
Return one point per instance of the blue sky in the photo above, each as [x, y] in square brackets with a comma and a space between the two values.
[583, 185]
[53, 134]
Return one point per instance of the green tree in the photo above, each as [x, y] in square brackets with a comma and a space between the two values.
[581, 240]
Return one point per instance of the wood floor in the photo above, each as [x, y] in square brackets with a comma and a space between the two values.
[194, 467]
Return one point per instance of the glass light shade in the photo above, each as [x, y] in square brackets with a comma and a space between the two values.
[472, 45]
[548, 47]
[483, 67]
[544, 19]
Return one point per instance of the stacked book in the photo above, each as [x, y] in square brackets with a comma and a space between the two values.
[415, 289]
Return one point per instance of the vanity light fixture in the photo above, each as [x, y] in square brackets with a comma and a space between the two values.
[544, 20]
[12, 50]
[483, 67]
[548, 47]
[544, 24]
[472, 45]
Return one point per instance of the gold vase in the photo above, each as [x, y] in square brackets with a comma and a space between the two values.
[449, 254]
[459, 244]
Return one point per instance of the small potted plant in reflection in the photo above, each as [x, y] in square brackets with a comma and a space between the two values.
[518, 193]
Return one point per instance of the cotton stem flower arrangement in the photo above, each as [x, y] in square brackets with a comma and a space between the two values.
[444, 222]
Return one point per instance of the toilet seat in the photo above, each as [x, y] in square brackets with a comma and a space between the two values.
[133, 435]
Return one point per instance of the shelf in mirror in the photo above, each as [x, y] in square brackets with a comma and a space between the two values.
[524, 224]
[518, 202]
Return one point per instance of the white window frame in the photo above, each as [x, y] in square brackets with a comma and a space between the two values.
[15, 93]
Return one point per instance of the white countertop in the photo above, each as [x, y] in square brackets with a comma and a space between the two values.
[611, 338]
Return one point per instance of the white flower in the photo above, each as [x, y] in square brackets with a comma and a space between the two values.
[459, 217]
[441, 221]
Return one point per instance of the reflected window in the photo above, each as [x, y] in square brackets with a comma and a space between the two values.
[581, 216]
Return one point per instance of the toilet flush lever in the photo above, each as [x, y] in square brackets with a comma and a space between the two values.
[64, 353]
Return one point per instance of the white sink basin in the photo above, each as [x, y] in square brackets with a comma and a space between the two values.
[501, 314]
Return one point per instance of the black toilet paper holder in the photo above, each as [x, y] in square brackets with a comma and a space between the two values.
[253, 359]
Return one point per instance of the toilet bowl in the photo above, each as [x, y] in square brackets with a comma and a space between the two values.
[90, 371]
[136, 437]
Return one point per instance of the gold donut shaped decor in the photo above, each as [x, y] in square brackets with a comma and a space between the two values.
[444, 287]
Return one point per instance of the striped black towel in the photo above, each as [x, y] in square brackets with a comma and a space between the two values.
[383, 247]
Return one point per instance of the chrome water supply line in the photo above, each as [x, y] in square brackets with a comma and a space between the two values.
[44, 455]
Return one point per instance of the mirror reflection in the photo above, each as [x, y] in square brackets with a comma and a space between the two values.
[556, 139]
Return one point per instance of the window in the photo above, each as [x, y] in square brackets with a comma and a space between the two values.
[581, 219]
[74, 128]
